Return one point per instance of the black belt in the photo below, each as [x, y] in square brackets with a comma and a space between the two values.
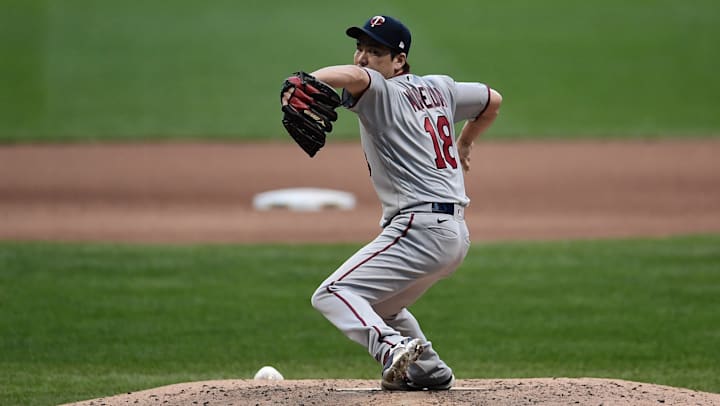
[445, 208]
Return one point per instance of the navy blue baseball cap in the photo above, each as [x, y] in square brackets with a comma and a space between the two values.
[386, 30]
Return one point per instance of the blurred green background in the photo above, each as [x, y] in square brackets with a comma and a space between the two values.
[83, 69]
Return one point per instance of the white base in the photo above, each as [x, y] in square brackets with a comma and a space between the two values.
[304, 199]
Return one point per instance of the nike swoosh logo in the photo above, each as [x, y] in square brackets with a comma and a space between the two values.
[440, 221]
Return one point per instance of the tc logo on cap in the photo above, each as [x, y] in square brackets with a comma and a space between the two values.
[377, 20]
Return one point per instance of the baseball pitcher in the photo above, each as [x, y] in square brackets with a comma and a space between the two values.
[416, 165]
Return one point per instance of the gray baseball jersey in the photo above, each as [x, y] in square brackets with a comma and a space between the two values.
[407, 133]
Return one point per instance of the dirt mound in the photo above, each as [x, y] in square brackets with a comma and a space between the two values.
[347, 392]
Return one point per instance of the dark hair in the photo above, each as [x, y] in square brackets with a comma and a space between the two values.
[406, 67]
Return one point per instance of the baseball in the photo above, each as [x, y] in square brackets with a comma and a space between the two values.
[268, 373]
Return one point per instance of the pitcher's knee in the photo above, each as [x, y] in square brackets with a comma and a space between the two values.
[317, 298]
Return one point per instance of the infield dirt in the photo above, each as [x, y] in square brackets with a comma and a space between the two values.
[203, 192]
[187, 193]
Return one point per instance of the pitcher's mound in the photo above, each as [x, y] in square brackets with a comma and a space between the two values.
[346, 392]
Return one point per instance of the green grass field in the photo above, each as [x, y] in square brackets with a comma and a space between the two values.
[135, 70]
[81, 321]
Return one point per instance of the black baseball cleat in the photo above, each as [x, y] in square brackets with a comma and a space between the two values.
[446, 385]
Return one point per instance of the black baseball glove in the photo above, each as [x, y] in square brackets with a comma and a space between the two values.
[310, 110]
